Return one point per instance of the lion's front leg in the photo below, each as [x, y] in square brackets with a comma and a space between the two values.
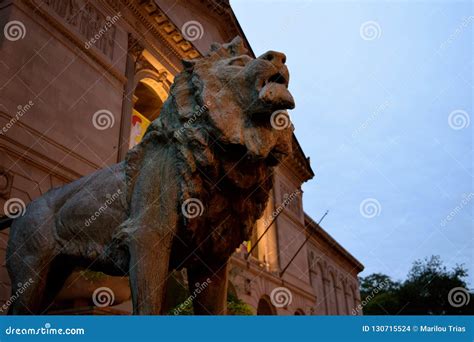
[152, 226]
[149, 259]
[208, 286]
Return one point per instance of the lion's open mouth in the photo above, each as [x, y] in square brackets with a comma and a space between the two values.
[275, 92]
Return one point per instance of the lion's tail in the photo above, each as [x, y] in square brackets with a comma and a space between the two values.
[5, 222]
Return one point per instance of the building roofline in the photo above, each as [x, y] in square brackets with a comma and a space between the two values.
[306, 159]
[241, 31]
[318, 230]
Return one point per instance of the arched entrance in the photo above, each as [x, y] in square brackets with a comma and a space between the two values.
[265, 307]
[149, 95]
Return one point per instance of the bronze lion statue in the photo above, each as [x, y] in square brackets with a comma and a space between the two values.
[186, 196]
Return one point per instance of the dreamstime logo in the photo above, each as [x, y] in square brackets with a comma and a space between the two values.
[457, 32]
[280, 119]
[103, 119]
[14, 208]
[458, 297]
[20, 289]
[192, 208]
[198, 111]
[22, 110]
[103, 296]
[371, 119]
[198, 289]
[458, 119]
[456, 210]
[287, 201]
[370, 30]
[281, 297]
[14, 30]
[370, 207]
[109, 22]
[110, 199]
[368, 298]
[192, 30]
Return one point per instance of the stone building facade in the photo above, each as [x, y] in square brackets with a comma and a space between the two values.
[80, 80]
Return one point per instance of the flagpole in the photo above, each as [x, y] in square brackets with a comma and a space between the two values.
[301, 247]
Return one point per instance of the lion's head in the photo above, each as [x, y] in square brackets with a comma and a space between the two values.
[231, 108]
[237, 104]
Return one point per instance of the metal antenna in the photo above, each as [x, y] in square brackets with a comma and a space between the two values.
[264, 232]
[301, 247]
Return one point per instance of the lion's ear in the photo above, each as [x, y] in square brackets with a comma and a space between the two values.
[215, 46]
[188, 64]
[236, 47]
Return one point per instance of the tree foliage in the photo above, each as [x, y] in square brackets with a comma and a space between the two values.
[235, 306]
[426, 291]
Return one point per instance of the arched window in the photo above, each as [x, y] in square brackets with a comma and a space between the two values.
[148, 98]
[265, 307]
[332, 305]
[299, 312]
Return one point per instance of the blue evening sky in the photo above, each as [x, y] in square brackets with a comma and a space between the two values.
[373, 105]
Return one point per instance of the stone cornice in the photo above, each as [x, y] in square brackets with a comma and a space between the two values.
[156, 22]
[320, 234]
[297, 163]
[223, 9]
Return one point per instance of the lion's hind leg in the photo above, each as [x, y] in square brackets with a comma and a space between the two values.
[31, 263]
[29, 281]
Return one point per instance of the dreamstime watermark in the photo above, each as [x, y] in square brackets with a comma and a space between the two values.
[370, 207]
[14, 30]
[103, 119]
[110, 199]
[370, 30]
[16, 295]
[281, 297]
[199, 110]
[103, 296]
[459, 296]
[199, 288]
[46, 330]
[464, 202]
[280, 120]
[288, 199]
[109, 22]
[357, 310]
[192, 30]
[458, 119]
[14, 207]
[22, 110]
[192, 208]
[372, 117]
[457, 32]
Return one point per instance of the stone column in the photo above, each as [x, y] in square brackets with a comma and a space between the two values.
[326, 290]
[135, 49]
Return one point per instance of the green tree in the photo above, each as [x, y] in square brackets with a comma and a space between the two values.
[430, 289]
[378, 294]
[427, 289]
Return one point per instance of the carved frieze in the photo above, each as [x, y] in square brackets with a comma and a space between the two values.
[97, 29]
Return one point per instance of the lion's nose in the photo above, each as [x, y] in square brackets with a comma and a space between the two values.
[275, 57]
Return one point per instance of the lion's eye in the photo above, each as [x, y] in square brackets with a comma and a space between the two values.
[239, 61]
